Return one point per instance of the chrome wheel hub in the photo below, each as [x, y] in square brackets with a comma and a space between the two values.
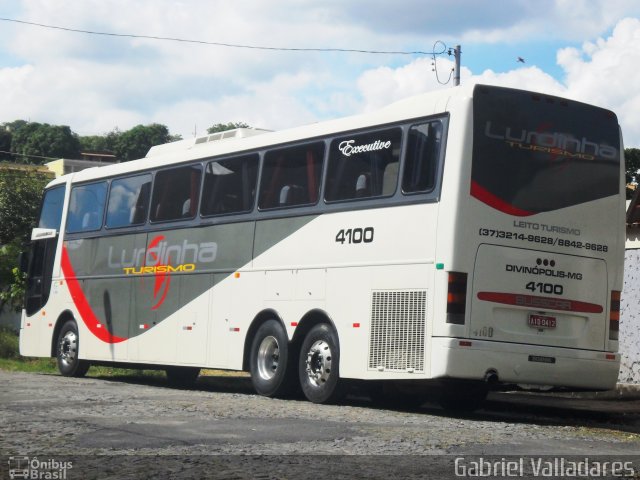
[68, 348]
[268, 358]
[319, 363]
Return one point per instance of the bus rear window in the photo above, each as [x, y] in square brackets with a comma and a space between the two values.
[534, 153]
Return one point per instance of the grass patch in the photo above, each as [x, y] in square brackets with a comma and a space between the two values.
[10, 360]
[26, 364]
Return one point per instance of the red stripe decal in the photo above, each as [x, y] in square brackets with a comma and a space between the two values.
[544, 303]
[82, 304]
[485, 196]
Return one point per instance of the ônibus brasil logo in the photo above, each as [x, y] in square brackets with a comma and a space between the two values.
[160, 259]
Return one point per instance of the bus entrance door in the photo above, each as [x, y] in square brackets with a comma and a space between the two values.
[40, 269]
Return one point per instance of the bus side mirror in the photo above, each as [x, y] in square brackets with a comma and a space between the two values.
[23, 261]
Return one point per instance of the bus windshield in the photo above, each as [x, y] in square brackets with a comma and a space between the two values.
[535, 154]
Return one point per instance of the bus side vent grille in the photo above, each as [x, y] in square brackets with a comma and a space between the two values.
[398, 324]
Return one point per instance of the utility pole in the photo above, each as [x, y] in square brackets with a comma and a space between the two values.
[456, 70]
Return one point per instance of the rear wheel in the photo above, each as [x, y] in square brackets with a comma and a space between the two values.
[67, 350]
[319, 366]
[182, 377]
[270, 365]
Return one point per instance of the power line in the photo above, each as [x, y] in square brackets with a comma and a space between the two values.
[15, 154]
[222, 44]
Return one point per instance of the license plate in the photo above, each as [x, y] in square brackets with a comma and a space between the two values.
[541, 321]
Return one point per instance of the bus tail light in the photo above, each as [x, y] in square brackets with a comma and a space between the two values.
[456, 298]
[614, 315]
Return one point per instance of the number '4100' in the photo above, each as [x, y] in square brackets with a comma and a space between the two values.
[545, 288]
[355, 235]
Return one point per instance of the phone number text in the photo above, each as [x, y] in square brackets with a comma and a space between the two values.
[541, 239]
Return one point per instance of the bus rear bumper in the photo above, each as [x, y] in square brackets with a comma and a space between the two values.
[524, 364]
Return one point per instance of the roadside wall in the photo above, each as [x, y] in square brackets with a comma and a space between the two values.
[630, 319]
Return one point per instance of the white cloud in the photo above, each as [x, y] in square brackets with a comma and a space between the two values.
[603, 72]
[95, 83]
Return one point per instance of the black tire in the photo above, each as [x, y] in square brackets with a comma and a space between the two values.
[67, 350]
[319, 366]
[461, 396]
[270, 363]
[182, 377]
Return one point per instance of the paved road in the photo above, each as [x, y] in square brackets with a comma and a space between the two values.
[140, 428]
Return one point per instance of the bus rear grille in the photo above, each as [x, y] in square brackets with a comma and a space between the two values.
[396, 338]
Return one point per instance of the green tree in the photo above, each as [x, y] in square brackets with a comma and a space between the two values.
[33, 140]
[5, 144]
[101, 143]
[135, 143]
[632, 165]
[20, 195]
[223, 127]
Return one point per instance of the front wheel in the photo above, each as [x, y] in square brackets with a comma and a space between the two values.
[319, 366]
[67, 350]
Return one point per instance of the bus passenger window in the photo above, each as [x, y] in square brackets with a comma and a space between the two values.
[291, 176]
[230, 185]
[423, 151]
[175, 193]
[128, 201]
[364, 166]
[86, 207]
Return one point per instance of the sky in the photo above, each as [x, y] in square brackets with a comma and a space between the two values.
[587, 50]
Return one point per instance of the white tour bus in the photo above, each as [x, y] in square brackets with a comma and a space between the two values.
[463, 238]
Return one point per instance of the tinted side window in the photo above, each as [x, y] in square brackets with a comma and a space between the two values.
[51, 213]
[128, 201]
[363, 166]
[291, 176]
[423, 150]
[230, 185]
[175, 193]
[86, 207]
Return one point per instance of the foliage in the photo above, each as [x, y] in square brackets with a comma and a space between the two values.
[632, 165]
[13, 293]
[135, 143]
[100, 143]
[8, 343]
[223, 127]
[20, 195]
[5, 144]
[33, 140]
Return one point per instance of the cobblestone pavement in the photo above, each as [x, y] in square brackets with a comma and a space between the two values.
[140, 428]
